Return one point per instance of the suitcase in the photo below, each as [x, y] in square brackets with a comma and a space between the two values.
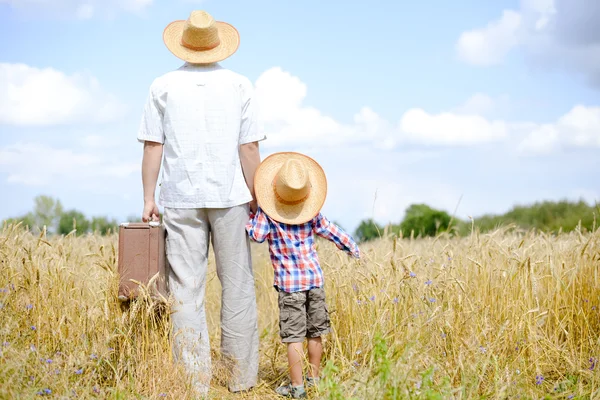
[142, 260]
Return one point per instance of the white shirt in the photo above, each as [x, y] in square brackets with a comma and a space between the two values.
[201, 114]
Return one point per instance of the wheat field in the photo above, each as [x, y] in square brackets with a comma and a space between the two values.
[501, 315]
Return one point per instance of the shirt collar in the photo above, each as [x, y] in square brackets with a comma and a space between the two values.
[204, 67]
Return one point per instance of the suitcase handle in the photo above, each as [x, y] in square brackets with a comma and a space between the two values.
[139, 224]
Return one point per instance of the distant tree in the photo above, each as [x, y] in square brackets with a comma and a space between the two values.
[47, 212]
[422, 220]
[368, 230]
[103, 226]
[544, 216]
[71, 220]
[27, 221]
[134, 218]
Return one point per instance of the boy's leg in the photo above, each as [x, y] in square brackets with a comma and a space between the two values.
[315, 351]
[318, 324]
[295, 352]
[239, 330]
[292, 329]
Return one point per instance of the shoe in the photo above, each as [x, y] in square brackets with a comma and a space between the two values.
[312, 382]
[295, 392]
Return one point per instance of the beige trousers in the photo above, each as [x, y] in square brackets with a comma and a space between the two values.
[188, 235]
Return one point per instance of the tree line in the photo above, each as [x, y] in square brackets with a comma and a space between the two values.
[420, 220]
[50, 213]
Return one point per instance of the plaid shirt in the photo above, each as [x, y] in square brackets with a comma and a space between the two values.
[292, 249]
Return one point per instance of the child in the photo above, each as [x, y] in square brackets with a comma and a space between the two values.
[290, 190]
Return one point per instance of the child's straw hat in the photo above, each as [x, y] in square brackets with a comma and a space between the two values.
[290, 187]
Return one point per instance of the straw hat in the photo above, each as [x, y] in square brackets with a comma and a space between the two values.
[290, 187]
[201, 39]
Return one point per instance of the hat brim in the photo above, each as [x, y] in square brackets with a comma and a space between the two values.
[229, 42]
[289, 214]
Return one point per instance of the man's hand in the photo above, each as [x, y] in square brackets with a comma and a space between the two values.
[253, 206]
[150, 212]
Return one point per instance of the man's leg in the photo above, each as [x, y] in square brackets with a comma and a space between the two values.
[239, 329]
[187, 254]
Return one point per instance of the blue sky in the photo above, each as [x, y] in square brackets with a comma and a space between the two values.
[489, 103]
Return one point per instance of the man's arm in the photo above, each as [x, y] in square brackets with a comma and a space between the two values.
[250, 159]
[151, 161]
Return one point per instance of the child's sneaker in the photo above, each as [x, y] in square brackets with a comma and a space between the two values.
[312, 382]
[295, 392]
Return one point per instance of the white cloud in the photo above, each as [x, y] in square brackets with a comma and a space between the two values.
[580, 127]
[450, 129]
[290, 123]
[484, 105]
[41, 97]
[552, 33]
[489, 45]
[35, 164]
[80, 9]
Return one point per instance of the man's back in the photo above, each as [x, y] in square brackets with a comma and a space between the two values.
[201, 114]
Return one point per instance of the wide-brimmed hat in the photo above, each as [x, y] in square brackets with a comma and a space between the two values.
[200, 39]
[290, 187]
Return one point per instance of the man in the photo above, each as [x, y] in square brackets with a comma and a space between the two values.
[203, 119]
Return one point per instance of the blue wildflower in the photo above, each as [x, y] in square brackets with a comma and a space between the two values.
[432, 300]
[428, 282]
[396, 300]
[5, 344]
[48, 361]
[162, 395]
[3, 290]
[593, 363]
[412, 274]
[94, 357]
[79, 371]
[372, 298]
[482, 349]
[355, 364]
[539, 379]
[29, 306]
[33, 328]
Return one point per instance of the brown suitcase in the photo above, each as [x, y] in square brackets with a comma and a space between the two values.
[141, 257]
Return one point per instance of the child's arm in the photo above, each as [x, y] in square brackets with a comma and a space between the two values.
[328, 230]
[258, 227]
